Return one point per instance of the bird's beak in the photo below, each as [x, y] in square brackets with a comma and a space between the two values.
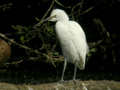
[44, 20]
[49, 18]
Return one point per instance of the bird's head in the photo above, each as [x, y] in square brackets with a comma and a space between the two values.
[58, 15]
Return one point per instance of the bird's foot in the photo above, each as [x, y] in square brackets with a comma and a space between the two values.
[64, 81]
[74, 81]
[61, 81]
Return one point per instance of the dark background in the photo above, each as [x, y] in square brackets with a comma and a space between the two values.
[103, 59]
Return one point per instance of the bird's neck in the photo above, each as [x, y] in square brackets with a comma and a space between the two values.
[63, 20]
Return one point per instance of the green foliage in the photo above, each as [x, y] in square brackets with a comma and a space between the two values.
[91, 16]
[23, 32]
[5, 7]
[92, 50]
[55, 54]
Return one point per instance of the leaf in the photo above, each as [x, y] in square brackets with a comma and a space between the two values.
[37, 19]
[22, 39]
[93, 50]
[55, 54]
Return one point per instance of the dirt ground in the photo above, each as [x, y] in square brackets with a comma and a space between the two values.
[67, 85]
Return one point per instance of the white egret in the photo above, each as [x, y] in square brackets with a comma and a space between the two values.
[72, 39]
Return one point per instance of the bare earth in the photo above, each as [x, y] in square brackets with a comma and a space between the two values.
[67, 85]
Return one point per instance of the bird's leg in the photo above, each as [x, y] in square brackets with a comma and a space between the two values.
[75, 70]
[65, 64]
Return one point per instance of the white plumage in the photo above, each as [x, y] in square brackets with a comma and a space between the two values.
[72, 39]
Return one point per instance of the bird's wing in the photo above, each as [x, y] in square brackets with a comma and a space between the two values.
[73, 41]
[65, 37]
[78, 29]
[80, 43]
[79, 36]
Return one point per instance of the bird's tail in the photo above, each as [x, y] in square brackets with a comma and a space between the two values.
[81, 63]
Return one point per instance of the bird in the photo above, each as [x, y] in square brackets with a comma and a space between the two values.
[72, 40]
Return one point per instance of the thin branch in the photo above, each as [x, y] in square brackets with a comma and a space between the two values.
[86, 11]
[20, 45]
[78, 4]
[106, 36]
[41, 21]
[50, 58]
[60, 4]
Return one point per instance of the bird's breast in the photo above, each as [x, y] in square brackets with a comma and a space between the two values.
[66, 40]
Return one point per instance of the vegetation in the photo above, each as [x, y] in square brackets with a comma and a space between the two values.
[35, 45]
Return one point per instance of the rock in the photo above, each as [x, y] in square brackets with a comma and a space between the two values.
[5, 51]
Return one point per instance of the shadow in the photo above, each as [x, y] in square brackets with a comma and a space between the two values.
[38, 73]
